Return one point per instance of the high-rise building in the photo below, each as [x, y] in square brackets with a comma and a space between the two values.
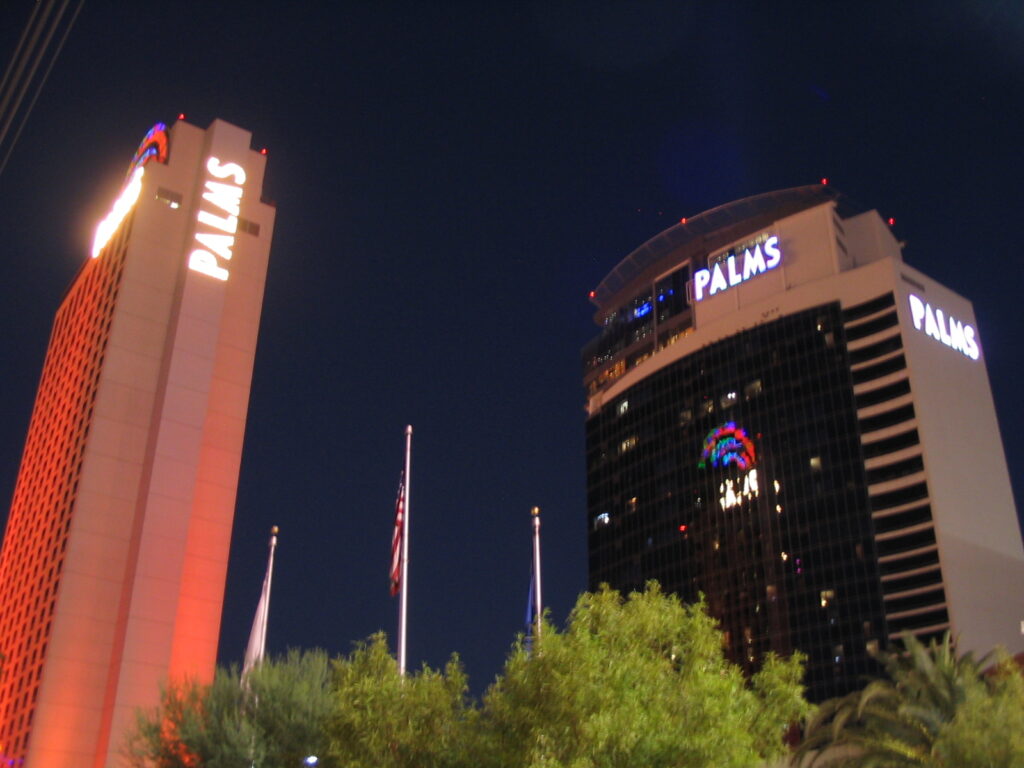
[785, 416]
[115, 552]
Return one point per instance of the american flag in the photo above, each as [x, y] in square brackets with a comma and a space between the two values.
[396, 541]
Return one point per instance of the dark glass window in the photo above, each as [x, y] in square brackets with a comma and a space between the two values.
[896, 469]
[927, 619]
[906, 519]
[916, 581]
[882, 394]
[891, 444]
[887, 419]
[900, 565]
[902, 496]
[764, 552]
[911, 541]
[670, 293]
[878, 370]
[869, 327]
[931, 597]
[879, 348]
[857, 311]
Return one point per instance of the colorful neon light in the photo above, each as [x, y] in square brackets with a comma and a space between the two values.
[728, 444]
[152, 147]
[122, 206]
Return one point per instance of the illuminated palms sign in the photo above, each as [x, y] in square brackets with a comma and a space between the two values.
[735, 268]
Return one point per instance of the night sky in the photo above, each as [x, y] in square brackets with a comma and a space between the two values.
[450, 181]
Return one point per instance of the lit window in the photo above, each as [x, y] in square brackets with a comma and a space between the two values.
[623, 407]
[708, 406]
[631, 504]
[827, 596]
[685, 417]
[816, 463]
[628, 444]
[728, 400]
[169, 197]
[602, 520]
[871, 646]
[753, 389]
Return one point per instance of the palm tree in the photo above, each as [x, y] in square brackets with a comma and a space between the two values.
[894, 722]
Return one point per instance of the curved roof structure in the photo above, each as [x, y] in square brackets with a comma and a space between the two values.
[699, 232]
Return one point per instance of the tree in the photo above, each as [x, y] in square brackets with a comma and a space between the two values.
[640, 681]
[384, 720]
[278, 719]
[935, 709]
[988, 729]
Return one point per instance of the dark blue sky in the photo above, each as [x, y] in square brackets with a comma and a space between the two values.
[450, 181]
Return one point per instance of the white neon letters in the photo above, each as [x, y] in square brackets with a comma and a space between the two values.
[122, 206]
[218, 238]
[727, 273]
[945, 328]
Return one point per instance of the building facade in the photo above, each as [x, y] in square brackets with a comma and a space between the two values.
[115, 552]
[787, 418]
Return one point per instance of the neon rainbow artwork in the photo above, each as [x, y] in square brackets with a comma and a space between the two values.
[728, 444]
[152, 147]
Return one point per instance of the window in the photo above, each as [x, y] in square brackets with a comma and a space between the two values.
[753, 389]
[623, 407]
[628, 444]
[879, 348]
[728, 400]
[169, 197]
[248, 227]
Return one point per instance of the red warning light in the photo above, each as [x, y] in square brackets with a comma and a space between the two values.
[592, 294]
[683, 528]
[824, 181]
[263, 151]
[682, 220]
[181, 115]
[892, 221]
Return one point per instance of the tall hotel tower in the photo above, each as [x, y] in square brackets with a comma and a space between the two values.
[785, 416]
[114, 557]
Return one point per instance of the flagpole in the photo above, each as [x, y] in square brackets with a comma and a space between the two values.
[539, 604]
[257, 647]
[403, 599]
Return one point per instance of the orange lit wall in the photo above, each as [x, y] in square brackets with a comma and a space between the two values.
[113, 562]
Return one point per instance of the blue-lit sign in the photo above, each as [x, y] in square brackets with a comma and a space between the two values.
[727, 272]
[643, 309]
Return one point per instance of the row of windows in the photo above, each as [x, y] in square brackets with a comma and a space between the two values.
[803, 529]
[35, 543]
[870, 327]
[883, 394]
[860, 311]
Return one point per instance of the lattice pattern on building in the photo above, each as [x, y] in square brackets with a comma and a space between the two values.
[35, 540]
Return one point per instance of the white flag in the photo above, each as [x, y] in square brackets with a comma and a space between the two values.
[258, 636]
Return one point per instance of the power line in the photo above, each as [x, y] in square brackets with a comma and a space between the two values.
[21, 72]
